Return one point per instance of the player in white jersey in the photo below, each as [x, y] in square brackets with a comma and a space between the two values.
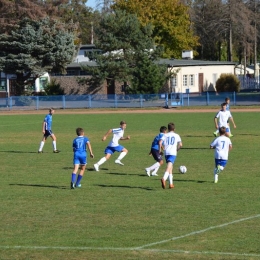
[222, 118]
[113, 146]
[171, 143]
[227, 101]
[222, 146]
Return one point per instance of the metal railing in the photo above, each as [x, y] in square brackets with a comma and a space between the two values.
[128, 101]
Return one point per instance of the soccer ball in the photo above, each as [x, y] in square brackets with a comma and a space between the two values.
[183, 169]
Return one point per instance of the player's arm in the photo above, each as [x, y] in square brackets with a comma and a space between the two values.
[90, 150]
[161, 146]
[233, 122]
[179, 146]
[125, 138]
[43, 127]
[230, 147]
[216, 122]
[107, 134]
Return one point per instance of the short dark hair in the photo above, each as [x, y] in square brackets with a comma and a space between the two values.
[122, 122]
[171, 127]
[79, 131]
[163, 129]
[227, 98]
[223, 104]
[222, 130]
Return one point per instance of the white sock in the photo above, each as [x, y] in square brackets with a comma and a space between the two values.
[121, 156]
[165, 176]
[170, 179]
[215, 177]
[101, 161]
[54, 145]
[41, 146]
[155, 170]
[154, 166]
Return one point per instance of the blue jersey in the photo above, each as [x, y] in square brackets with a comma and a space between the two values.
[155, 143]
[48, 121]
[79, 145]
[228, 107]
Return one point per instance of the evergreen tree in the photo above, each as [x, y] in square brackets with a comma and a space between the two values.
[127, 46]
[34, 48]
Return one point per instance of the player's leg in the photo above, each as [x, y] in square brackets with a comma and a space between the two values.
[80, 175]
[108, 152]
[42, 143]
[123, 153]
[155, 167]
[74, 173]
[54, 143]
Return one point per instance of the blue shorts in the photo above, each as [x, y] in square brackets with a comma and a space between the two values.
[227, 129]
[170, 158]
[220, 162]
[156, 155]
[80, 159]
[111, 150]
[48, 133]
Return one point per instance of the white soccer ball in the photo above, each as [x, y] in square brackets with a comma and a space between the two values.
[183, 169]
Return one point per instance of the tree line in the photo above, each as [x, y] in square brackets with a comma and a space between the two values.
[43, 35]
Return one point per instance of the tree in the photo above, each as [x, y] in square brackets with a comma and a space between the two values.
[170, 20]
[34, 48]
[127, 45]
[228, 83]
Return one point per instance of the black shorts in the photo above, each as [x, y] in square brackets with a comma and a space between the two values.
[156, 155]
[48, 133]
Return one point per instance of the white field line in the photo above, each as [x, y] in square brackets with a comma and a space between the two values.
[142, 248]
[198, 232]
[129, 249]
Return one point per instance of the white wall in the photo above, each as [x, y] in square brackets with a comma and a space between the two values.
[210, 76]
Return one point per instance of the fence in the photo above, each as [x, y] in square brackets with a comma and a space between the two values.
[127, 101]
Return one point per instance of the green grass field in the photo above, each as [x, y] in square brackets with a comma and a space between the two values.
[120, 213]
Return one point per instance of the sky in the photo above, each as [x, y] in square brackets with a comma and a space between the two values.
[91, 3]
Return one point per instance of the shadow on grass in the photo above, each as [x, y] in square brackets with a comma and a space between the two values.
[123, 186]
[16, 152]
[40, 186]
[198, 181]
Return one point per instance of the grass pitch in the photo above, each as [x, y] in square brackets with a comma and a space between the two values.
[120, 213]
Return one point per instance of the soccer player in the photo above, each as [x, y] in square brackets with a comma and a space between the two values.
[113, 146]
[222, 118]
[222, 146]
[46, 130]
[80, 157]
[172, 143]
[227, 101]
[156, 154]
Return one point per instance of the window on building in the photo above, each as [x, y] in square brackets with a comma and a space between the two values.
[185, 80]
[43, 82]
[191, 80]
[3, 84]
[174, 81]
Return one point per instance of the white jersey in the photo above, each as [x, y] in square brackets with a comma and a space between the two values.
[170, 143]
[223, 117]
[117, 134]
[221, 144]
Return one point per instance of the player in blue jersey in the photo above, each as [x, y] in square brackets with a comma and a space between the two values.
[171, 143]
[113, 146]
[156, 154]
[80, 157]
[222, 146]
[46, 130]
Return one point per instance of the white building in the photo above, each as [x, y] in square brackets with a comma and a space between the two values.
[196, 76]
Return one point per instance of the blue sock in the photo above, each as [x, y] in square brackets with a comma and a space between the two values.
[79, 179]
[73, 177]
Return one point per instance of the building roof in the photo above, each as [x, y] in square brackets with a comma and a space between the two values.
[168, 62]
[188, 62]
